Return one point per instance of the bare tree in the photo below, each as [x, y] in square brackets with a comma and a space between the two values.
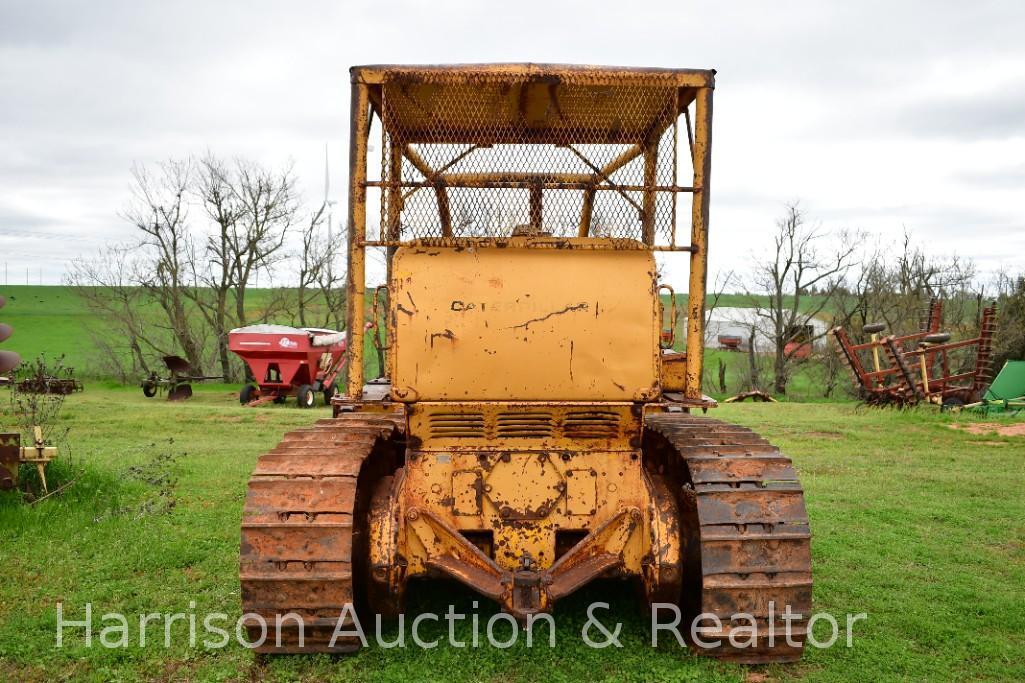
[331, 282]
[320, 292]
[123, 333]
[250, 209]
[184, 283]
[215, 273]
[1009, 343]
[159, 211]
[313, 259]
[270, 207]
[754, 373]
[799, 261]
[897, 282]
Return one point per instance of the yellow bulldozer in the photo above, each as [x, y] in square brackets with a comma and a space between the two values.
[534, 428]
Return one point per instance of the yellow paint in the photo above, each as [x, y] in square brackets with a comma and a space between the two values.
[674, 371]
[524, 489]
[524, 324]
[497, 426]
[356, 279]
[525, 362]
[702, 158]
[523, 499]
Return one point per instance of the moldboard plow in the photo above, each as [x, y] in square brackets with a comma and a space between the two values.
[178, 382]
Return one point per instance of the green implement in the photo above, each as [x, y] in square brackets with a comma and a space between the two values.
[1007, 392]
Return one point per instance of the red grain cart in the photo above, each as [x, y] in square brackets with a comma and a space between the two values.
[729, 342]
[288, 361]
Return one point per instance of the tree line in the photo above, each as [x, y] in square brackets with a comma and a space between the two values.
[207, 232]
[850, 279]
[212, 237]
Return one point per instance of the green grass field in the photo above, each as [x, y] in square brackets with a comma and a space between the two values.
[50, 320]
[916, 524]
[54, 321]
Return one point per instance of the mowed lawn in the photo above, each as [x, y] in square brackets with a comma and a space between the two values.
[916, 524]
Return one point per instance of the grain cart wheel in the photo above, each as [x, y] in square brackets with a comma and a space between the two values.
[304, 530]
[306, 397]
[329, 391]
[149, 389]
[745, 536]
[248, 393]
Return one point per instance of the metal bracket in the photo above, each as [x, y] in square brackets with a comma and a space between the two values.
[10, 458]
[667, 343]
[12, 454]
[524, 591]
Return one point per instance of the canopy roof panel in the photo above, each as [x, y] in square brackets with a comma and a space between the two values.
[528, 103]
[509, 72]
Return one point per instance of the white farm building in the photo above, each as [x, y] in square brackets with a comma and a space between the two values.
[737, 322]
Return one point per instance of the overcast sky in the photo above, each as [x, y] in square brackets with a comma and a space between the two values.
[877, 115]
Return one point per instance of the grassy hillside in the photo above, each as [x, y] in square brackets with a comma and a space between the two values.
[50, 320]
[55, 321]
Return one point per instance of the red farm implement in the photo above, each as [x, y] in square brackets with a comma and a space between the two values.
[729, 342]
[178, 383]
[289, 361]
[924, 366]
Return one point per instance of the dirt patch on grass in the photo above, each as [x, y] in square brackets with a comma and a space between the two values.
[992, 427]
[833, 436]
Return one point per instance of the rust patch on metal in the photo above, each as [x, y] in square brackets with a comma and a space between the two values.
[746, 534]
[296, 548]
[10, 459]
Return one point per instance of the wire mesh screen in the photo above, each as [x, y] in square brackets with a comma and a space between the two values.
[487, 157]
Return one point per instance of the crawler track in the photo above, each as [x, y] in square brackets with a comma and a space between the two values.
[746, 536]
[301, 529]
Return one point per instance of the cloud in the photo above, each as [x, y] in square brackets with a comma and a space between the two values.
[874, 113]
[996, 114]
[1003, 177]
[21, 222]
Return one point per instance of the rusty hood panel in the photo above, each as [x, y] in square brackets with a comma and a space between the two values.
[523, 324]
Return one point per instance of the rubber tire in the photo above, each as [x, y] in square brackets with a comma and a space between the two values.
[306, 397]
[149, 390]
[951, 403]
[329, 391]
[248, 393]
